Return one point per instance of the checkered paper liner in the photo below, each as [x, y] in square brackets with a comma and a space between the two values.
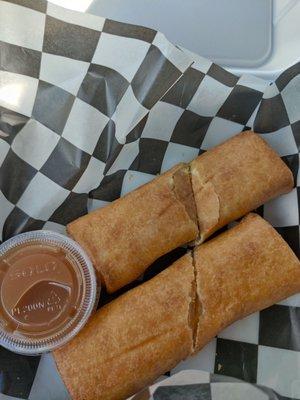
[90, 109]
[200, 385]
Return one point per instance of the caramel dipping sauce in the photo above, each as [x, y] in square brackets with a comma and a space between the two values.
[47, 291]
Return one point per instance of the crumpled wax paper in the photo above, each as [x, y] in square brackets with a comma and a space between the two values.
[201, 385]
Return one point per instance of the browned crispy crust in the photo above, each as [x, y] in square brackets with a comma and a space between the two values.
[234, 178]
[145, 332]
[244, 270]
[132, 340]
[223, 184]
[128, 235]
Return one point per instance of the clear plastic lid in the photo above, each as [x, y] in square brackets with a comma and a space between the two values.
[48, 290]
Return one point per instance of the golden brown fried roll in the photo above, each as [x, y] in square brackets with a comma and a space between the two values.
[145, 332]
[225, 183]
[128, 235]
[234, 178]
[246, 269]
[132, 340]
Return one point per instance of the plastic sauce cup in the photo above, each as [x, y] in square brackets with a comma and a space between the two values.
[48, 290]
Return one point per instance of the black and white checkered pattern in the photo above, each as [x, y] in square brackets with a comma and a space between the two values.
[200, 385]
[72, 86]
[90, 109]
